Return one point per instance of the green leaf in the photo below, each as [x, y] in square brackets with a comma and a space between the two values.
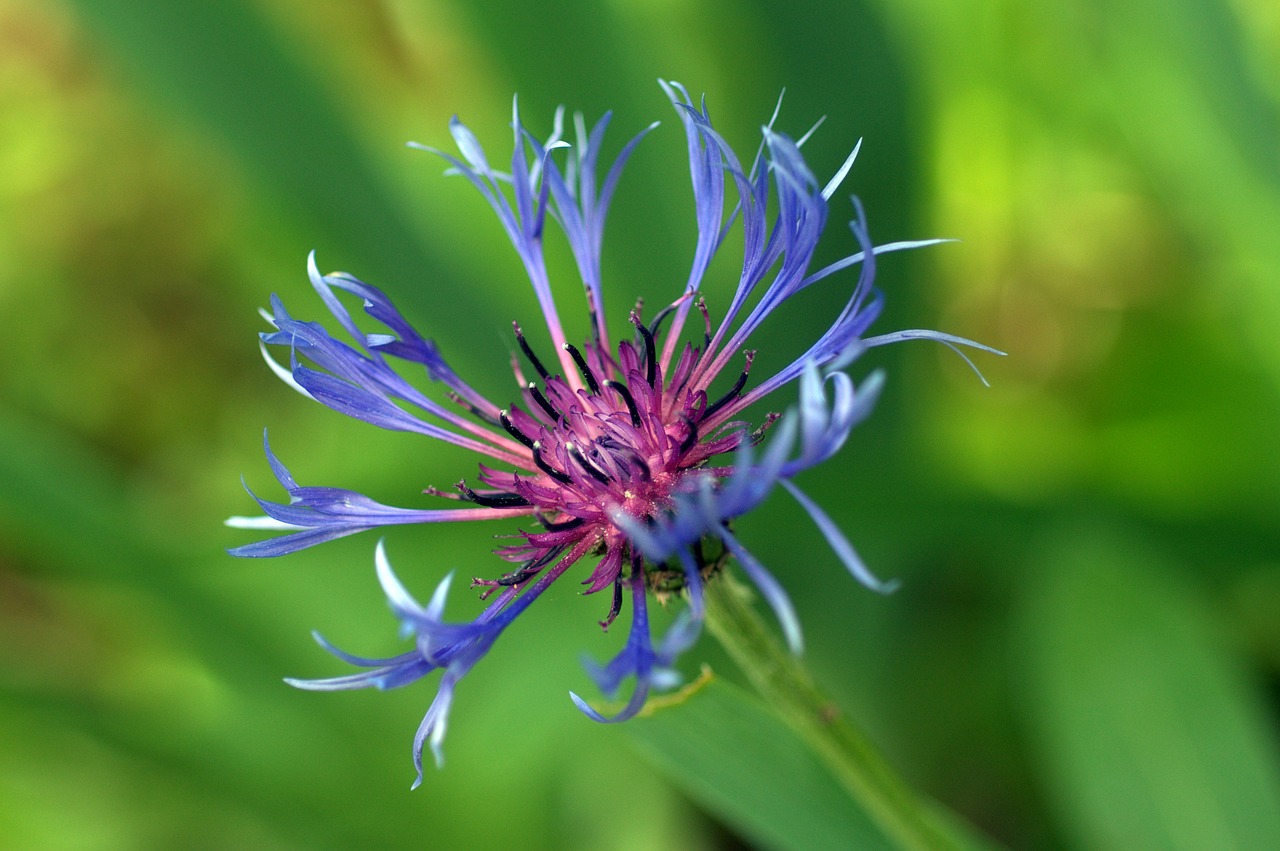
[218, 66]
[733, 756]
[1147, 732]
[1201, 103]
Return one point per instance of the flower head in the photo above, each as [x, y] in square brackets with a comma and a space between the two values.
[633, 453]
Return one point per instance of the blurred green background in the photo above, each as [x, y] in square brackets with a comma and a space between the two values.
[1085, 652]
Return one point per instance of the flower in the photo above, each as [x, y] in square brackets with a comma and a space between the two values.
[625, 452]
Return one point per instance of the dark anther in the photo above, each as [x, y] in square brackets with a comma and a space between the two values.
[593, 315]
[636, 459]
[560, 477]
[542, 402]
[650, 353]
[616, 606]
[475, 412]
[662, 314]
[690, 439]
[565, 526]
[594, 472]
[733, 391]
[587, 374]
[515, 577]
[621, 389]
[506, 423]
[706, 321]
[497, 500]
[528, 352]
[521, 574]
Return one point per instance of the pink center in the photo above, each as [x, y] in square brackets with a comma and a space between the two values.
[625, 438]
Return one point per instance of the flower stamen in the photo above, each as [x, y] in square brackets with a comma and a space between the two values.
[650, 348]
[690, 439]
[495, 500]
[758, 435]
[631, 456]
[616, 606]
[504, 419]
[562, 526]
[594, 472]
[629, 400]
[470, 408]
[734, 391]
[542, 401]
[587, 375]
[528, 352]
[562, 478]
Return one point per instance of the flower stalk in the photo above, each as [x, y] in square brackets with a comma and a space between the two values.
[781, 679]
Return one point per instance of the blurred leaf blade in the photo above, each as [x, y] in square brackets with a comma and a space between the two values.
[736, 758]
[57, 483]
[283, 127]
[1199, 98]
[1149, 736]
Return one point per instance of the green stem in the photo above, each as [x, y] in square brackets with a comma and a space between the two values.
[784, 683]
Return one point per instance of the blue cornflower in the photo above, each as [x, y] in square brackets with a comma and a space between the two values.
[621, 452]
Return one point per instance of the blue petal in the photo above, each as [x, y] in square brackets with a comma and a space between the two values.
[286, 544]
[469, 145]
[951, 341]
[840, 544]
[402, 603]
[389, 677]
[361, 661]
[434, 725]
[772, 591]
[636, 659]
